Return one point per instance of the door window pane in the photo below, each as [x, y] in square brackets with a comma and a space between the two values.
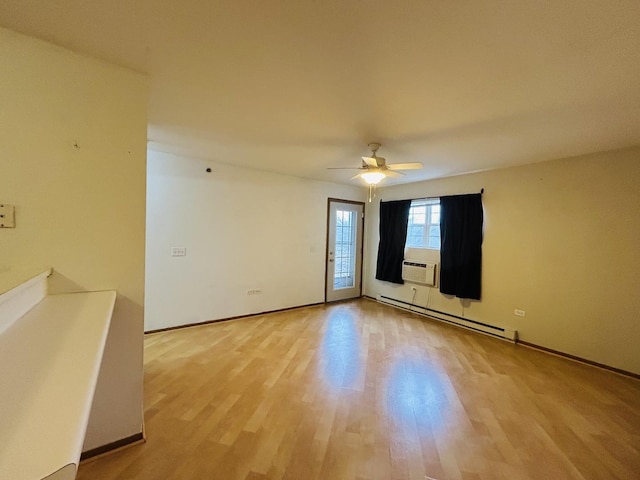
[345, 255]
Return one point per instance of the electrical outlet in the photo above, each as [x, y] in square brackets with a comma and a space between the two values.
[254, 291]
[519, 313]
[178, 251]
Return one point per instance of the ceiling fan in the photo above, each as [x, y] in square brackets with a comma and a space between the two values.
[375, 168]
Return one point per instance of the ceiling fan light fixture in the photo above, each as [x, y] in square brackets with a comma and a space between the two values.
[372, 178]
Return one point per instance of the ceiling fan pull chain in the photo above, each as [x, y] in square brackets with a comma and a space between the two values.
[372, 191]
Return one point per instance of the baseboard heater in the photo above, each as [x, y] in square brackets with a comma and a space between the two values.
[503, 333]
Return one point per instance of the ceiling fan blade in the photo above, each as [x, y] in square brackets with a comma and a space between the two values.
[371, 161]
[356, 176]
[344, 168]
[391, 174]
[405, 166]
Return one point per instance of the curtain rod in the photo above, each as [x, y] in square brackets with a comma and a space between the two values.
[433, 198]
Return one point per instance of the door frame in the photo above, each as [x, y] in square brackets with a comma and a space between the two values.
[326, 253]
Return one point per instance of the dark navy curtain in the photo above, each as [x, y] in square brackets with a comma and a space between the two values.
[461, 248]
[394, 218]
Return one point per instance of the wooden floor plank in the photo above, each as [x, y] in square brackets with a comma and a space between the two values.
[362, 391]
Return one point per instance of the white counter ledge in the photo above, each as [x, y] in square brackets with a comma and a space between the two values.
[49, 363]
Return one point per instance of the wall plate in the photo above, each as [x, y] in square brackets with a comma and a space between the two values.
[7, 216]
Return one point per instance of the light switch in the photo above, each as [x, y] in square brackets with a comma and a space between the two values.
[7, 216]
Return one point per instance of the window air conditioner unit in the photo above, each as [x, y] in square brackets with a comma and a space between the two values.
[417, 271]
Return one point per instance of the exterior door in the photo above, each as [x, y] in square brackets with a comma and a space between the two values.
[344, 250]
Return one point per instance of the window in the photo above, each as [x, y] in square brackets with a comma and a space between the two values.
[423, 229]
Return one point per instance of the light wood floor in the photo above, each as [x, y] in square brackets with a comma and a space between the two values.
[363, 391]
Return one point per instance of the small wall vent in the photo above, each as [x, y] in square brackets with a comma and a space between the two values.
[417, 271]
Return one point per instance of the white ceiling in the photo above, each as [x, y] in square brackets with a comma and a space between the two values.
[296, 86]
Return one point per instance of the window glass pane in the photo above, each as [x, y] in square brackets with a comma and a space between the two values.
[434, 242]
[415, 236]
[434, 236]
[435, 214]
[417, 215]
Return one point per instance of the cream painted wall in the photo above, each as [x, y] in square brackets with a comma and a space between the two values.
[79, 209]
[562, 242]
[243, 229]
